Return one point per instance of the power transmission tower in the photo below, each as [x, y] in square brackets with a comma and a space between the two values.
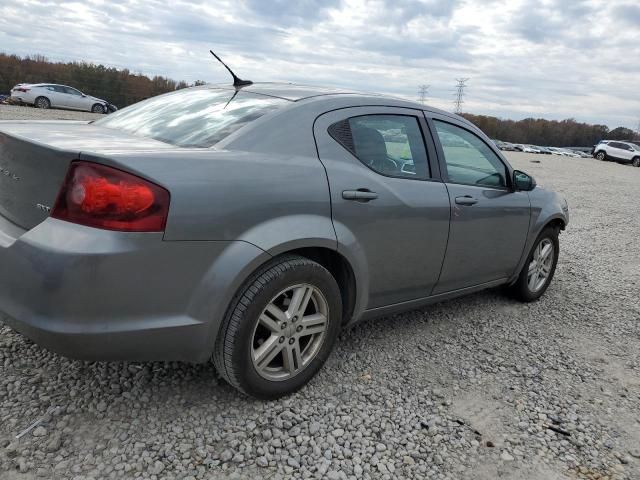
[423, 90]
[460, 86]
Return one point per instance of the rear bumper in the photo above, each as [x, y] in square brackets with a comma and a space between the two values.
[19, 98]
[98, 295]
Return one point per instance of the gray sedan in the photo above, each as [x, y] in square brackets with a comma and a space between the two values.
[250, 225]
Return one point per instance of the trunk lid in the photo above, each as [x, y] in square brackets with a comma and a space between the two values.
[35, 156]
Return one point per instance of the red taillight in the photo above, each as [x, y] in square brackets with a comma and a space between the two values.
[104, 197]
[22, 89]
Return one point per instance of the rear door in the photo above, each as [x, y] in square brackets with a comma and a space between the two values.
[489, 221]
[613, 150]
[388, 203]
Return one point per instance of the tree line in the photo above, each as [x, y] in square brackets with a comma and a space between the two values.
[122, 88]
[119, 87]
[548, 133]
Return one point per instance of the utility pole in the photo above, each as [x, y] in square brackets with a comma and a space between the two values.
[423, 90]
[459, 94]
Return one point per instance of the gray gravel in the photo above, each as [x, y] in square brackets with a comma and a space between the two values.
[476, 388]
[14, 112]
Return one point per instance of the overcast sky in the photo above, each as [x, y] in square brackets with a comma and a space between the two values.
[552, 58]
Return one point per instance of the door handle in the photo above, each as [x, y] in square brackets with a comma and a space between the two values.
[361, 195]
[466, 200]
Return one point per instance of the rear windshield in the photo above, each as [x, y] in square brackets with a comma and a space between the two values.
[192, 117]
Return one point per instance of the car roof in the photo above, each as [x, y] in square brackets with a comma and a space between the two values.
[46, 84]
[298, 93]
[287, 91]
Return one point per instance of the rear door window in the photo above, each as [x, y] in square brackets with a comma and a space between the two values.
[391, 145]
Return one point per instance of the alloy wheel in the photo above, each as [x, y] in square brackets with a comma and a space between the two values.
[541, 265]
[289, 332]
[600, 156]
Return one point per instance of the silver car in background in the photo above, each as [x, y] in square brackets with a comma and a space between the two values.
[250, 225]
[50, 95]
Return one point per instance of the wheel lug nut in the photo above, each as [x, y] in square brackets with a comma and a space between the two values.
[291, 340]
[299, 328]
[283, 326]
[294, 319]
[281, 339]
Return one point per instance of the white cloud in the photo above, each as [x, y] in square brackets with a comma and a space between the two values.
[548, 58]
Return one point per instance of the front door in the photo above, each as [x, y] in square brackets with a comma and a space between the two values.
[388, 205]
[75, 99]
[489, 220]
[59, 97]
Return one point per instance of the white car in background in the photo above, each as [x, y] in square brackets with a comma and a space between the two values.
[625, 152]
[571, 153]
[526, 148]
[50, 95]
[562, 152]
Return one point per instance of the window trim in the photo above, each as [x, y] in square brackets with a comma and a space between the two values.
[431, 119]
[421, 126]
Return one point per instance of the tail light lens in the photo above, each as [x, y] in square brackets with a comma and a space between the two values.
[22, 89]
[104, 197]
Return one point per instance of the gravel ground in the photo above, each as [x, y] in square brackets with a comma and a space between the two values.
[477, 388]
[14, 112]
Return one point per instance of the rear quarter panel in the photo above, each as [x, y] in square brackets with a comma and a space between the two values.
[274, 201]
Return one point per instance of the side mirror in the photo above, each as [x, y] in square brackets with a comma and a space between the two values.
[523, 182]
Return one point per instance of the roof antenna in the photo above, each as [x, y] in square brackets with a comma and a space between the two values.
[237, 81]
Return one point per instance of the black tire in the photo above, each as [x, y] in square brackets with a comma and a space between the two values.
[233, 349]
[97, 108]
[636, 162]
[602, 156]
[42, 102]
[520, 289]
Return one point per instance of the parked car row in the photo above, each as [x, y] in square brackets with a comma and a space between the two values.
[614, 150]
[520, 147]
[49, 95]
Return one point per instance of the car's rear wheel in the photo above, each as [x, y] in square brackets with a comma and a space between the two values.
[538, 270]
[97, 108]
[280, 328]
[42, 102]
[636, 162]
[601, 156]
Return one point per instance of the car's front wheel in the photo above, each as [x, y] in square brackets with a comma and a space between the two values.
[538, 270]
[601, 156]
[97, 108]
[280, 328]
[636, 162]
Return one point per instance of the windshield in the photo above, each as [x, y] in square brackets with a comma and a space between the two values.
[635, 147]
[192, 117]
